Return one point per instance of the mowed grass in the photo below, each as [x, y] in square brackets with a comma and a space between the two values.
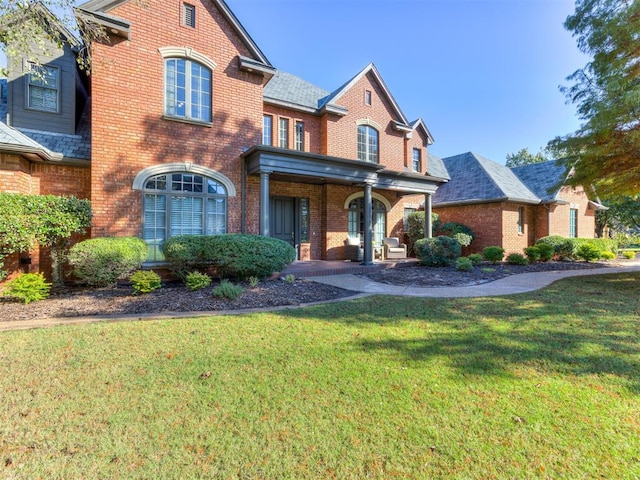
[542, 385]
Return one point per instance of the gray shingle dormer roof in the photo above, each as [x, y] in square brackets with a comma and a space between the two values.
[544, 179]
[436, 168]
[476, 179]
[291, 91]
[14, 141]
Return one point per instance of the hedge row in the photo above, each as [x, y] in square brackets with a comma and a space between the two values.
[568, 247]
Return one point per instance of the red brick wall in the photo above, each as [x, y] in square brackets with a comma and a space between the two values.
[484, 220]
[129, 133]
[15, 175]
[559, 217]
[312, 137]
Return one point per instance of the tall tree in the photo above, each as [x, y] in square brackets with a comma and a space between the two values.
[605, 151]
[525, 157]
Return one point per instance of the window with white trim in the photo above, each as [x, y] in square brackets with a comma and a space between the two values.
[367, 144]
[299, 145]
[43, 88]
[283, 133]
[573, 223]
[417, 160]
[267, 130]
[187, 90]
[181, 203]
[355, 219]
[520, 220]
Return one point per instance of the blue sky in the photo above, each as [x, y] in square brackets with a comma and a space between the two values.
[483, 74]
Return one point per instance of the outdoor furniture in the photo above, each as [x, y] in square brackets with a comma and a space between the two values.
[353, 250]
[393, 248]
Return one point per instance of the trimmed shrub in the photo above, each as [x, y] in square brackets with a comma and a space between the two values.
[532, 253]
[464, 264]
[101, 262]
[232, 255]
[493, 254]
[546, 251]
[197, 281]
[562, 247]
[226, 289]
[145, 281]
[607, 255]
[475, 258]
[568, 247]
[463, 239]
[629, 254]
[415, 227]
[449, 229]
[437, 252]
[28, 287]
[588, 252]
[517, 259]
[602, 244]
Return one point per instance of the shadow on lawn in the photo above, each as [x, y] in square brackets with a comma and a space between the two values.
[579, 326]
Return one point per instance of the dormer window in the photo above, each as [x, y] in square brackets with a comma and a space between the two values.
[43, 88]
[188, 15]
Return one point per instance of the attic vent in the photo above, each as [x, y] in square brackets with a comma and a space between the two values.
[189, 15]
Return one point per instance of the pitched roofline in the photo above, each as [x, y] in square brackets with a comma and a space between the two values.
[477, 201]
[420, 123]
[104, 6]
[481, 163]
[333, 97]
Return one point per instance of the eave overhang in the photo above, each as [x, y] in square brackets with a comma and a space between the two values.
[310, 166]
[31, 153]
[477, 201]
[113, 25]
[250, 65]
[595, 206]
[408, 183]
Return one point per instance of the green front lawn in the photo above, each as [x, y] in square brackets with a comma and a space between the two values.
[542, 385]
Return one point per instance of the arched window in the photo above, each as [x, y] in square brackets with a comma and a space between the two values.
[367, 144]
[187, 89]
[355, 221]
[181, 203]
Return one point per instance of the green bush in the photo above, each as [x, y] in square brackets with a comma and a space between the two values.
[588, 252]
[546, 251]
[607, 255]
[226, 289]
[517, 259]
[464, 264]
[254, 282]
[562, 247]
[463, 238]
[475, 258]
[449, 229]
[145, 281]
[628, 254]
[532, 253]
[438, 251]
[28, 287]
[232, 255]
[415, 227]
[602, 244]
[101, 262]
[493, 254]
[197, 281]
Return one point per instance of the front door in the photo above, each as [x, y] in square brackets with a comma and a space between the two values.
[283, 219]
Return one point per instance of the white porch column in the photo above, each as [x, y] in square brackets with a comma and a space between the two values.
[428, 227]
[368, 225]
[264, 204]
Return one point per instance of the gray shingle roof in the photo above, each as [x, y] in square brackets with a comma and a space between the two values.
[476, 179]
[287, 88]
[435, 167]
[544, 179]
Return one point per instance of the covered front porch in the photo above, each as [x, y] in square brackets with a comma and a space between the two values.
[339, 178]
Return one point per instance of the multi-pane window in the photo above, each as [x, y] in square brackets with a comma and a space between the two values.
[355, 220]
[299, 145]
[367, 144]
[182, 204]
[417, 160]
[187, 90]
[520, 219]
[407, 211]
[283, 133]
[188, 15]
[573, 223]
[43, 88]
[267, 129]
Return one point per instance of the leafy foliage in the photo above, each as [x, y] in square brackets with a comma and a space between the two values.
[415, 223]
[475, 258]
[608, 255]
[605, 151]
[463, 239]
[226, 289]
[464, 264]
[588, 252]
[233, 255]
[562, 246]
[532, 253]
[629, 254]
[493, 254]
[197, 281]
[525, 157]
[101, 262]
[47, 220]
[546, 252]
[145, 281]
[437, 252]
[450, 229]
[28, 287]
[517, 259]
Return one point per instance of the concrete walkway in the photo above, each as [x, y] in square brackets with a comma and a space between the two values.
[521, 283]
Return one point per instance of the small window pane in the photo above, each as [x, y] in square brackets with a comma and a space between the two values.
[188, 15]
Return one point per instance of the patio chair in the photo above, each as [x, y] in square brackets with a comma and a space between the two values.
[353, 250]
[393, 249]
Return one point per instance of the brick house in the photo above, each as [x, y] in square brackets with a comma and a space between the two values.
[512, 207]
[185, 127]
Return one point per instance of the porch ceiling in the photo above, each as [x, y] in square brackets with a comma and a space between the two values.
[304, 167]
